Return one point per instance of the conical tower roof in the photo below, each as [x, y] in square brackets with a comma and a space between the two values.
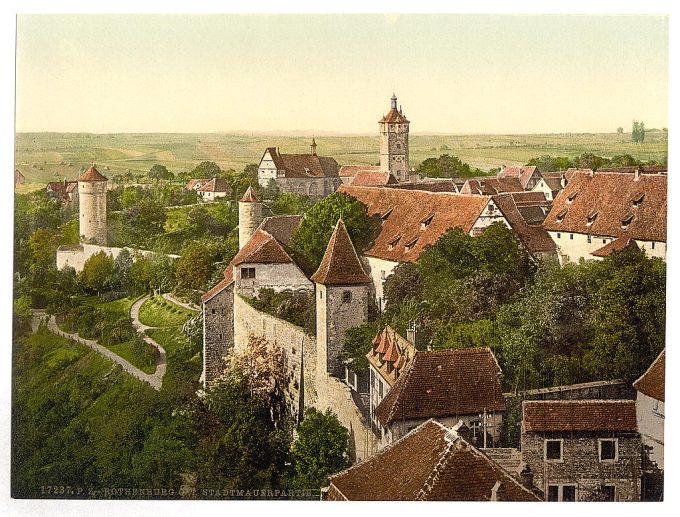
[249, 196]
[92, 174]
[340, 264]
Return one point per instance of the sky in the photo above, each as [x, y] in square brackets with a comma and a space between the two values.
[335, 73]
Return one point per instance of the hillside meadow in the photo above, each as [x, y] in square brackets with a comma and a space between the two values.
[44, 157]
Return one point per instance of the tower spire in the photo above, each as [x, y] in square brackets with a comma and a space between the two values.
[313, 146]
[394, 101]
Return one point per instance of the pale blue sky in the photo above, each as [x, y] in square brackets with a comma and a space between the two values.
[452, 73]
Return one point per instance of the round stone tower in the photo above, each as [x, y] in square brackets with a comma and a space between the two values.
[92, 195]
[249, 216]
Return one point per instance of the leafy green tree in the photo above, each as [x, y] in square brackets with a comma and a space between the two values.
[122, 271]
[206, 170]
[321, 449]
[290, 203]
[623, 160]
[480, 333]
[447, 166]
[160, 172]
[638, 132]
[195, 266]
[310, 239]
[357, 344]
[590, 161]
[143, 222]
[619, 130]
[271, 191]
[97, 273]
[403, 283]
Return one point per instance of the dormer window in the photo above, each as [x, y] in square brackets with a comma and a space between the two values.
[625, 222]
[410, 244]
[391, 244]
[492, 207]
[560, 217]
[571, 197]
[426, 222]
[591, 218]
[307, 171]
[386, 214]
[637, 200]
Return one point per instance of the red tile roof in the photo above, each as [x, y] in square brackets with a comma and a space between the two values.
[534, 238]
[281, 227]
[196, 183]
[523, 174]
[394, 117]
[216, 185]
[615, 245]
[443, 384]
[431, 463]
[644, 169]
[429, 185]
[492, 186]
[406, 211]
[303, 165]
[92, 174]
[349, 171]
[579, 415]
[340, 264]
[249, 196]
[216, 289]
[262, 248]
[653, 382]
[368, 178]
[61, 187]
[613, 196]
[390, 365]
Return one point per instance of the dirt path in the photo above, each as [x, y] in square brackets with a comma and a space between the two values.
[188, 306]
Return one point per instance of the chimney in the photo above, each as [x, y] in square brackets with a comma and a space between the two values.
[498, 492]
[411, 332]
[637, 174]
[563, 180]
[527, 476]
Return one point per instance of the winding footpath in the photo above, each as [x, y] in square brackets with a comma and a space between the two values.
[189, 306]
[155, 379]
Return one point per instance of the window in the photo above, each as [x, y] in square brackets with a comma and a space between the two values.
[608, 492]
[608, 450]
[565, 493]
[220, 337]
[213, 311]
[424, 223]
[571, 236]
[380, 388]
[625, 222]
[553, 450]
[653, 243]
[637, 200]
[571, 197]
[382, 275]
[559, 235]
[346, 296]
[247, 272]
[560, 217]
[591, 218]
[590, 239]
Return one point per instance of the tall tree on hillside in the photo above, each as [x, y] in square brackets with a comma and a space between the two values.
[160, 172]
[206, 170]
[97, 273]
[638, 133]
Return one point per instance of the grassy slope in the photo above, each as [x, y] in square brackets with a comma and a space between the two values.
[179, 152]
[158, 312]
[171, 339]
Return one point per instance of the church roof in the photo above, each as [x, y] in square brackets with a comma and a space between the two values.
[303, 165]
[92, 174]
[249, 196]
[340, 264]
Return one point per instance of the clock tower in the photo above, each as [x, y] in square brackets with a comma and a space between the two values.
[394, 142]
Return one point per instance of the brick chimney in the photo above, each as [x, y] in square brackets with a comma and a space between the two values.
[637, 174]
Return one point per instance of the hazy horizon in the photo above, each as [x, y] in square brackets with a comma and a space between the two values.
[331, 75]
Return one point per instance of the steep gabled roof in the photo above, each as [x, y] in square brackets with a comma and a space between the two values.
[195, 183]
[390, 367]
[340, 264]
[394, 116]
[534, 238]
[216, 289]
[216, 185]
[303, 165]
[281, 227]
[523, 174]
[579, 415]
[653, 382]
[431, 463]
[491, 186]
[615, 196]
[407, 209]
[92, 174]
[442, 384]
[262, 248]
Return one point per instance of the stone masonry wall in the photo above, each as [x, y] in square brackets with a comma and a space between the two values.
[76, 258]
[581, 464]
[218, 333]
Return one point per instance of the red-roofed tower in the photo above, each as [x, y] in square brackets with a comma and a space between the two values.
[92, 195]
[249, 217]
[394, 142]
[341, 299]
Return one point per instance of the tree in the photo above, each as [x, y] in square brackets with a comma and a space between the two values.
[447, 166]
[290, 203]
[310, 239]
[357, 344]
[144, 221]
[97, 273]
[206, 169]
[403, 283]
[195, 266]
[122, 269]
[619, 130]
[321, 449]
[638, 132]
[160, 172]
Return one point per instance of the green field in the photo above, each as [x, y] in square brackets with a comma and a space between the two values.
[158, 312]
[44, 157]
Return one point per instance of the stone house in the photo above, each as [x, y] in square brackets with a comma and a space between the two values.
[387, 359]
[309, 174]
[651, 411]
[582, 450]
[528, 175]
[449, 385]
[64, 191]
[598, 212]
[214, 189]
[411, 220]
[431, 463]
